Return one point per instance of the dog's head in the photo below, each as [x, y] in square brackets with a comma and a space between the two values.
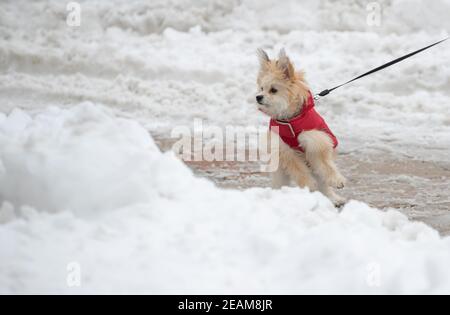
[281, 90]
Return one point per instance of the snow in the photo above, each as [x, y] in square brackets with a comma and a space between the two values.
[127, 55]
[82, 181]
[82, 186]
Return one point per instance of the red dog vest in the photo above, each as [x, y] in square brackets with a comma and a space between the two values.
[307, 120]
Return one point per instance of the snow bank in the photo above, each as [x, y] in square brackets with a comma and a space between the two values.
[76, 160]
[83, 187]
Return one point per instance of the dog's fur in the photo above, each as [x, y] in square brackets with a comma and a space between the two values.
[282, 94]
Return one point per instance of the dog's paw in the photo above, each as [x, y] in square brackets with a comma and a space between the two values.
[338, 201]
[337, 181]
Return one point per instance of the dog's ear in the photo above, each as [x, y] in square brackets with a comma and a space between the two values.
[263, 58]
[285, 64]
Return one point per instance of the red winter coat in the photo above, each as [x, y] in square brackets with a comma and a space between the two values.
[307, 120]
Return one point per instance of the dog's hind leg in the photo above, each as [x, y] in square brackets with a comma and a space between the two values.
[293, 165]
[280, 179]
[297, 168]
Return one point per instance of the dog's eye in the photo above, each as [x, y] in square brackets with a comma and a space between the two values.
[273, 90]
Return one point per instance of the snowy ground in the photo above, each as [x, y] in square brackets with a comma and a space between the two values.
[81, 185]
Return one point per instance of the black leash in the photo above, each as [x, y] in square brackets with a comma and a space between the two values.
[326, 92]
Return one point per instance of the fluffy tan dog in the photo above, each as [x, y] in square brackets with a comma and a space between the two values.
[284, 95]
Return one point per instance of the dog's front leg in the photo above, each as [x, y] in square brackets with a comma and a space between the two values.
[329, 192]
[320, 155]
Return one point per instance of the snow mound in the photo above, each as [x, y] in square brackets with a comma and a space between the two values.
[83, 160]
[83, 187]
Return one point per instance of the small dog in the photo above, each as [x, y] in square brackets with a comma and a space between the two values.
[307, 145]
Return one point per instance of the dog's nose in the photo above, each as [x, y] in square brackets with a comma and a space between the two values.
[259, 98]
